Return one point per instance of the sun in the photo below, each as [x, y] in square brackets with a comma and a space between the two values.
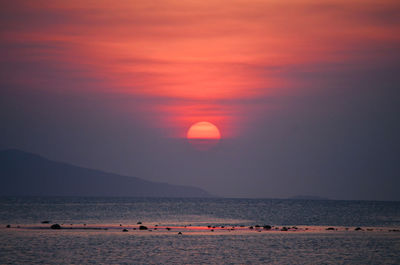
[203, 130]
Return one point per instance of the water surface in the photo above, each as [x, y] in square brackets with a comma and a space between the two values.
[28, 241]
[23, 210]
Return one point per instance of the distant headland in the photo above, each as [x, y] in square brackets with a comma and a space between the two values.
[28, 174]
[308, 197]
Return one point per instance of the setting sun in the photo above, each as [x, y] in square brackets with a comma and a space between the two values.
[203, 130]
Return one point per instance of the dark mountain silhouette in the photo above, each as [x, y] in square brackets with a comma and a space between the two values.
[308, 197]
[27, 174]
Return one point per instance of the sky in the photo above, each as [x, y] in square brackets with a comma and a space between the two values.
[304, 92]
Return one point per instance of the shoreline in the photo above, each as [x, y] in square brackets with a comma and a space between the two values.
[170, 229]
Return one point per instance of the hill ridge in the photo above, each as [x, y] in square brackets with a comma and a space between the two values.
[26, 174]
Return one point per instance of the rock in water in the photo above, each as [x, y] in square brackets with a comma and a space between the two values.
[142, 227]
[55, 226]
[125, 230]
[267, 227]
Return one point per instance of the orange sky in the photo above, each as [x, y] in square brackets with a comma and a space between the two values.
[198, 59]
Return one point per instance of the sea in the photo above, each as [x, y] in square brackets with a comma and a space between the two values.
[104, 230]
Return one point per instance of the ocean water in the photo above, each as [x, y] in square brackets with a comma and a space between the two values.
[31, 210]
[28, 241]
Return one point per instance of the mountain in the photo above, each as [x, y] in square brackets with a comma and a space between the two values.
[308, 197]
[27, 174]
